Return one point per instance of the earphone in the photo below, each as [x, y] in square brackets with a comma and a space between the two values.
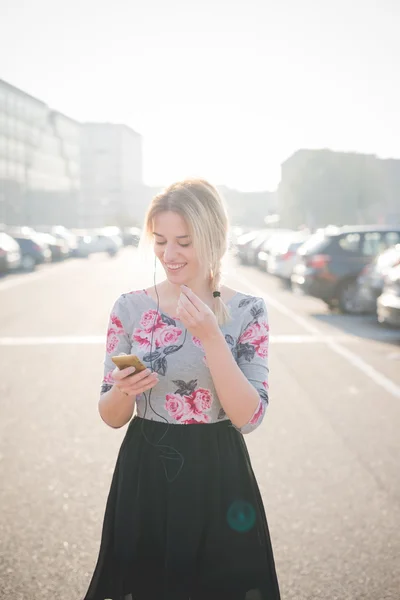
[171, 453]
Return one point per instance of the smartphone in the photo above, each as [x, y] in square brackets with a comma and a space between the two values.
[128, 360]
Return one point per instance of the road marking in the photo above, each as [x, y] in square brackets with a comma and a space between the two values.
[386, 383]
[101, 340]
[352, 358]
[53, 340]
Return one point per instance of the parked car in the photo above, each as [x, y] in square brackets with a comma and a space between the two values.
[34, 251]
[283, 255]
[254, 247]
[65, 236]
[83, 245]
[10, 253]
[235, 232]
[330, 262]
[272, 241]
[58, 246]
[371, 281]
[242, 244]
[101, 242]
[264, 252]
[388, 304]
[131, 236]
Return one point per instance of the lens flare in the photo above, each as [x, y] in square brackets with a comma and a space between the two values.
[241, 516]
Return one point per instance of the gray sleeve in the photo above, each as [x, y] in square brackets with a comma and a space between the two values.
[118, 339]
[252, 357]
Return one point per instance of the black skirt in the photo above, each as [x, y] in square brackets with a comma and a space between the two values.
[184, 519]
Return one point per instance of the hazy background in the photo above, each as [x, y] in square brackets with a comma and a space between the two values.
[292, 109]
[226, 90]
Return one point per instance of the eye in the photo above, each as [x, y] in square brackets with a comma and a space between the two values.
[181, 245]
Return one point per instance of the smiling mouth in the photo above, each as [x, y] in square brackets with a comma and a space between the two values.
[175, 268]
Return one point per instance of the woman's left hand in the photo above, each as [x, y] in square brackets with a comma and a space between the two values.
[196, 316]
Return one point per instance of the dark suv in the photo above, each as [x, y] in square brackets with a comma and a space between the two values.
[329, 263]
[34, 251]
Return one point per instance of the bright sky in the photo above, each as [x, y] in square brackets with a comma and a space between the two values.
[224, 89]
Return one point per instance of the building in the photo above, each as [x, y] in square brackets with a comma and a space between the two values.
[39, 162]
[112, 175]
[248, 209]
[318, 187]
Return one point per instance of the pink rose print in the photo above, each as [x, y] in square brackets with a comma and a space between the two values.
[143, 338]
[178, 406]
[265, 384]
[163, 334]
[258, 414]
[198, 420]
[167, 336]
[261, 346]
[201, 400]
[189, 409]
[257, 335]
[115, 329]
[197, 342]
[116, 321]
[108, 378]
[112, 340]
[151, 318]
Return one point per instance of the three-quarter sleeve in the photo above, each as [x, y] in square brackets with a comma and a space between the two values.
[118, 340]
[252, 356]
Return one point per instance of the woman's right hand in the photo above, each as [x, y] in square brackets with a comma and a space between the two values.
[133, 385]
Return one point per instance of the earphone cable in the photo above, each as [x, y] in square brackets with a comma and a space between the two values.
[175, 453]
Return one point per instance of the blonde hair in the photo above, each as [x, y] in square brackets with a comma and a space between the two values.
[204, 212]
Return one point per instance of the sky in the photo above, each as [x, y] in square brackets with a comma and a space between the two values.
[222, 89]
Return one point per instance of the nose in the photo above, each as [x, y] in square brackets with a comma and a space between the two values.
[170, 254]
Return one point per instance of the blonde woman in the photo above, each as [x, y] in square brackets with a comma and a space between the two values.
[184, 517]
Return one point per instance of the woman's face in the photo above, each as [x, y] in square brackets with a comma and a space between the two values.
[174, 249]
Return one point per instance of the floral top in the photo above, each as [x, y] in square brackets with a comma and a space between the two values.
[185, 393]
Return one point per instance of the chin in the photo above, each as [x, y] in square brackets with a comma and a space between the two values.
[179, 277]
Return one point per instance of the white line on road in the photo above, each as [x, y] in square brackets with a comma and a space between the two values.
[368, 370]
[100, 339]
[52, 340]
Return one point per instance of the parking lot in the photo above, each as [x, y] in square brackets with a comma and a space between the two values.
[327, 456]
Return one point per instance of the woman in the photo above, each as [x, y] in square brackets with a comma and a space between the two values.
[184, 517]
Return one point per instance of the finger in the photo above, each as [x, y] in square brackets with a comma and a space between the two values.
[134, 377]
[195, 300]
[141, 376]
[185, 303]
[137, 387]
[144, 381]
[119, 374]
[186, 316]
[146, 387]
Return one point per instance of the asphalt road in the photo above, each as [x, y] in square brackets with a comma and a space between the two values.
[327, 456]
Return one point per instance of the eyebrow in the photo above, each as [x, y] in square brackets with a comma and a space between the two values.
[178, 237]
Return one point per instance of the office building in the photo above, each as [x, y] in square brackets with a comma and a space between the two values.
[112, 174]
[39, 162]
